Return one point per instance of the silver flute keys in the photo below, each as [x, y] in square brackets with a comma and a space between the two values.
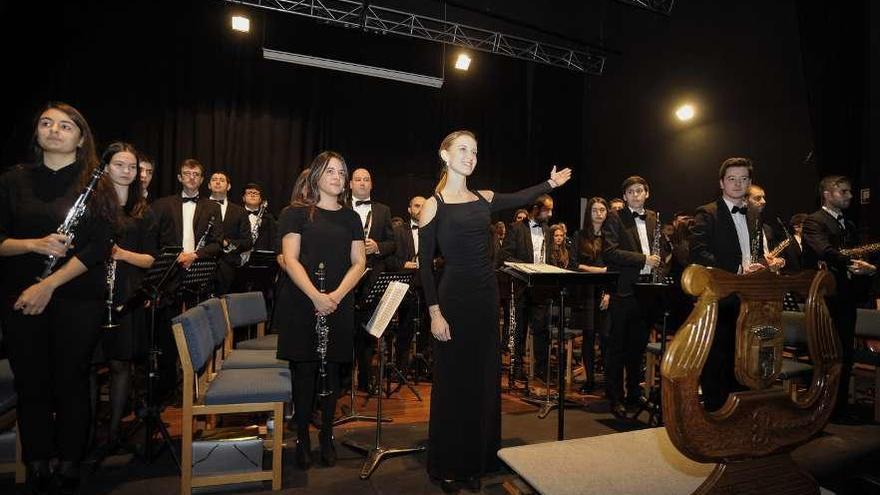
[322, 329]
[74, 215]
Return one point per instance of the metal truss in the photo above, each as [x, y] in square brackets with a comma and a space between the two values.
[660, 6]
[348, 13]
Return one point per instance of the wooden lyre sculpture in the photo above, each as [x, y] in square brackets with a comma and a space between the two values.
[751, 436]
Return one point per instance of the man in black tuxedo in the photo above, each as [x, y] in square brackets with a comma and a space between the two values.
[826, 231]
[628, 236]
[793, 254]
[183, 219]
[405, 258]
[380, 245]
[756, 199]
[236, 232]
[720, 238]
[147, 166]
[266, 226]
[529, 241]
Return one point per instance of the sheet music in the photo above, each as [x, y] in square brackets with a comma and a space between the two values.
[387, 306]
[536, 267]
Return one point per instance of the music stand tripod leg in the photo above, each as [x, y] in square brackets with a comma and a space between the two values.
[353, 415]
[376, 453]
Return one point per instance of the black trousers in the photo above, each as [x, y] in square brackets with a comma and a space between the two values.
[364, 349]
[843, 314]
[625, 347]
[51, 355]
[718, 378]
[535, 316]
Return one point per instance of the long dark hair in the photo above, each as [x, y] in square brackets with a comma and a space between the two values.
[104, 202]
[589, 244]
[310, 192]
[135, 204]
[559, 255]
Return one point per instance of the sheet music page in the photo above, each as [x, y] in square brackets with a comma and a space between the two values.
[387, 306]
[536, 267]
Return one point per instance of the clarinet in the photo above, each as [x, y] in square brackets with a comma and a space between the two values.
[367, 224]
[756, 241]
[255, 231]
[108, 322]
[322, 329]
[74, 215]
[657, 272]
[511, 336]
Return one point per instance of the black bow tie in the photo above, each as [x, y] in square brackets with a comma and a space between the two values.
[194, 199]
[414, 226]
[739, 209]
[255, 213]
[537, 226]
[364, 202]
[638, 215]
[220, 201]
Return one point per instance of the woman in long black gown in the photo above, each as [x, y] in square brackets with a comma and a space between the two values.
[465, 425]
[317, 229]
[133, 253]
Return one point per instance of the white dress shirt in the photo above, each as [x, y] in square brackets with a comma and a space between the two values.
[187, 214]
[415, 236]
[538, 248]
[742, 235]
[362, 210]
[222, 206]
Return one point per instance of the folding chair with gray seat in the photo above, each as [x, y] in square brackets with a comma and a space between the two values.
[246, 309]
[221, 330]
[10, 447]
[231, 392]
[868, 327]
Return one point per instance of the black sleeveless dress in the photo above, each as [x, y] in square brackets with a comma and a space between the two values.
[464, 432]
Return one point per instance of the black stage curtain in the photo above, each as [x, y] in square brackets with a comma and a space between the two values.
[172, 78]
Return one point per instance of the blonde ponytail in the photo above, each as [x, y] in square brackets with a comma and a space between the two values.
[444, 145]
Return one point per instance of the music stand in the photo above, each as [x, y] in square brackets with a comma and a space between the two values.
[199, 279]
[417, 358]
[157, 284]
[533, 275]
[377, 452]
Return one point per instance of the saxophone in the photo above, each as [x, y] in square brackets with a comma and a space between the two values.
[861, 251]
[108, 323]
[322, 329]
[74, 215]
[657, 272]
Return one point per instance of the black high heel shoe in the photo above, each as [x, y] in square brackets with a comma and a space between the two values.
[328, 450]
[304, 454]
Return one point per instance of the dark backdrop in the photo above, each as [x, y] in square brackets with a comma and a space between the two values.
[770, 79]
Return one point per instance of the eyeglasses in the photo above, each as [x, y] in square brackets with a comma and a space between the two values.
[252, 193]
[191, 174]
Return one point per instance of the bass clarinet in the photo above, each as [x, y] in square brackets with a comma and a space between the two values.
[322, 329]
[74, 215]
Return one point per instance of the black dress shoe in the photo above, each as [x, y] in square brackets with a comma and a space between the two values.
[618, 410]
[328, 450]
[303, 454]
[474, 485]
[67, 478]
[586, 389]
[448, 486]
[38, 479]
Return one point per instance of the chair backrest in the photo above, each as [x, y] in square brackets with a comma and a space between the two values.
[868, 323]
[197, 333]
[216, 319]
[794, 328]
[245, 308]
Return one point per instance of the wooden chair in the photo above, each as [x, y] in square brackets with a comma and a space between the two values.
[240, 310]
[868, 327]
[230, 392]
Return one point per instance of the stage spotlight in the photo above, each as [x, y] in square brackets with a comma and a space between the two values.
[685, 112]
[463, 62]
[241, 23]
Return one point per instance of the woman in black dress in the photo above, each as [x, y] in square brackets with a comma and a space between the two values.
[318, 230]
[587, 257]
[51, 327]
[465, 425]
[133, 253]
